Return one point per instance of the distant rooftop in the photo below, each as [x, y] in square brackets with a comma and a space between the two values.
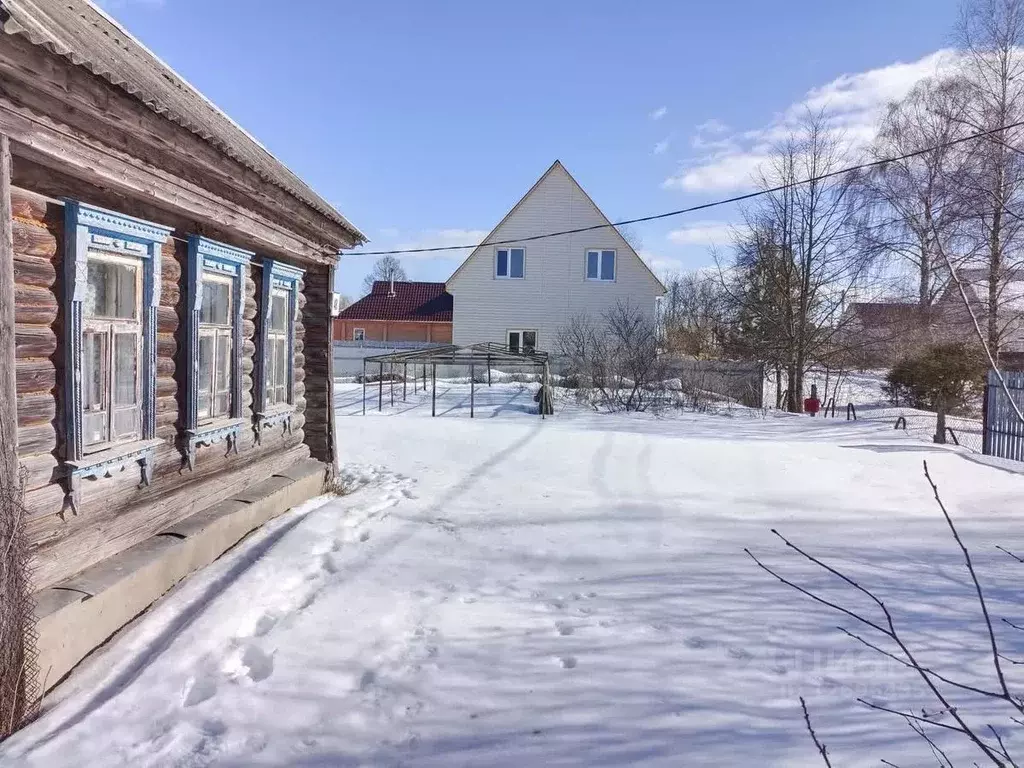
[410, 302]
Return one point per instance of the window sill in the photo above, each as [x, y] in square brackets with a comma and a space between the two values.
[112, 461]
[281, 414]
[218, 431]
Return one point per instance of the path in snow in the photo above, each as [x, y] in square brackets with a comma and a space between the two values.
[573, 591]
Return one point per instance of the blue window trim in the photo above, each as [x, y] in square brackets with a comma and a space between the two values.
[205, 255]
[86, 228]
[276, 274]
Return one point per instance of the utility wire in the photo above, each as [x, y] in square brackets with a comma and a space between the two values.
[702, 206]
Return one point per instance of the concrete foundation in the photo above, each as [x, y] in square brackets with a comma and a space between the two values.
[80, 613]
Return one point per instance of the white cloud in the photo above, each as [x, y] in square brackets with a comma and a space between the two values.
[662, 146]
[854, 102]
[705, 233]
[713, 126]
[659, 113]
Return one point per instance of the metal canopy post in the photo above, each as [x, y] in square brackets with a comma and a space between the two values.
[433, 391]
[391, 377]
[405, 378]
[472, 388]
[488, 370]
[380, 388]
[364, 386]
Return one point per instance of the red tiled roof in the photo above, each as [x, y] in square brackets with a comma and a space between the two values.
[412, 302]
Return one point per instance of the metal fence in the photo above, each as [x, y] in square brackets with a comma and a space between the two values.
[1004, 432]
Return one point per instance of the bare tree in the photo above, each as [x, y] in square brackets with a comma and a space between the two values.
[916, 200]
[956, 706]
[990, 35]
[631, 236]
[385, 268]
[614, 358]
[695, 313]
[800, 261]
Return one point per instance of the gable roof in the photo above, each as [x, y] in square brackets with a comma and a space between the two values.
[411, 302]
[89, 38]
[976, 282]
[557, 165]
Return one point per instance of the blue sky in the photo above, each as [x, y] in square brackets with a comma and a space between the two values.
[424, 122]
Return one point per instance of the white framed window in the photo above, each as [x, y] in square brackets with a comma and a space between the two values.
[213, 340]
[522, 340]
[111, 351]
[358, 334]
[278, 346]
[510, 263]
[215, 348]
[600, 264]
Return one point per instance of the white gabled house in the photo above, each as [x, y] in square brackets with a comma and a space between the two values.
[522, 294]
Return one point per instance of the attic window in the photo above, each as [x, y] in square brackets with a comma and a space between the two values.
[600, 265]
[510, 263]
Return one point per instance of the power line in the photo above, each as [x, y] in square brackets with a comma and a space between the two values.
[702, 206]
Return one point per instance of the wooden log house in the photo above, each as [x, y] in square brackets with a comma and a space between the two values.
[171, 334]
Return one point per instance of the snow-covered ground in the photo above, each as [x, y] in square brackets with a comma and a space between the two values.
[511, 591]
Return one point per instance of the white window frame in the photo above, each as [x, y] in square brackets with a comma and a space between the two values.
[600, 265]
[358, 334]
[111, 327]
[521, 331]
[508, 262]
[218, 331]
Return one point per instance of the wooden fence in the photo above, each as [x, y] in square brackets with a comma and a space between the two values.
[1004, 432]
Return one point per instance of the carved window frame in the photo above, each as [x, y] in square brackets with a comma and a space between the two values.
[276, 276]
[90, 228]
[205, 255]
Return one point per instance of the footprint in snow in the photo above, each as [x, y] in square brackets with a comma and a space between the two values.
[264, 624]
[364, 536]
[199, 689]
[740, 654]
[695, 642]
[367, 680]
[567, 662]
[564, 628]
[252, 662]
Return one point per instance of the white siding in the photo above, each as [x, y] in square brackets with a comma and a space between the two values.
[554, 287]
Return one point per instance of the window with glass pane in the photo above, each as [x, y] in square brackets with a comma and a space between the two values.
[278, 368]
[112, 289]
[111, 350]
[510, 262]
[216, 340]
[601, 265]
[529, 341]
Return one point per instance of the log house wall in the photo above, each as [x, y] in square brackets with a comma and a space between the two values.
[115, 512]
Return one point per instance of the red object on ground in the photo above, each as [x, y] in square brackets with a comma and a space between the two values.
[812, 405]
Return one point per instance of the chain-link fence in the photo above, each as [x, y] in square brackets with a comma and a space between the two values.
[964, 431]
[19, 694]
